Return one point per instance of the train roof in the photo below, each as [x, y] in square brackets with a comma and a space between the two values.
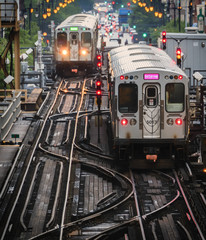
[80, 20]
[136, 57]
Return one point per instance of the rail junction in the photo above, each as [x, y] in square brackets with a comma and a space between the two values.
[62, 181]
[65, 184]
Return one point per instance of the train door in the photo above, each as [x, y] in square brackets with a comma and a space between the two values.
[151, 111]
[74, 46]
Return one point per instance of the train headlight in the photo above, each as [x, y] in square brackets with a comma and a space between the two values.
[170, 121]
[64, 52]
[124, 122]
[178, 121]
[84, 52]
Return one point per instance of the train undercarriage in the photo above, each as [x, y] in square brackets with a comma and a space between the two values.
[66, 69]
[145, 154]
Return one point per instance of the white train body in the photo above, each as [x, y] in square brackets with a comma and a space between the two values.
[76, 43]
[149, 100]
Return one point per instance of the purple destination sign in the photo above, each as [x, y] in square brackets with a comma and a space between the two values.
[151, 76]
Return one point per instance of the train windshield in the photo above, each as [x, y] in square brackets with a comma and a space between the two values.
[61, 39]
[128, 98]
[175, 97]
[86, 39]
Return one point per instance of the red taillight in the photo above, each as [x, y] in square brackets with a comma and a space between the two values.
[178, 121]
[124, 122]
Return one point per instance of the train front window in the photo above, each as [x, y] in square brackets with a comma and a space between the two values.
[174, 97]
[73, 38]
[128, 98]
[61, 39]
[86, 39]
[151, 96]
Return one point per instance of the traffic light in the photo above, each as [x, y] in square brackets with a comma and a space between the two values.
[164, 40]
[144, 35]
[99, 61]
[113, 2]
[179, 56]
[99, 92]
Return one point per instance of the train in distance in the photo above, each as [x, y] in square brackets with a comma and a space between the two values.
[75, 46]
[149, 105]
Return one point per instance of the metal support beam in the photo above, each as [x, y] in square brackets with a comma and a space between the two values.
[9, 19]
[17, 60]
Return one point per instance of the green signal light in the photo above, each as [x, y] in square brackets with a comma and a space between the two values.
[144, 35]
[134, 26]
[122, 6]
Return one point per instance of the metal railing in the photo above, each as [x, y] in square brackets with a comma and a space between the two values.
[9, 116]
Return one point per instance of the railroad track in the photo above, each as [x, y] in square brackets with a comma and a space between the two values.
[69, 188]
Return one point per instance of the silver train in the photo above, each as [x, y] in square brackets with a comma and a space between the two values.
[149, 106]
[76, 44]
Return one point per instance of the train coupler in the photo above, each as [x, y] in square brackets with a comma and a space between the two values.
[151, 157]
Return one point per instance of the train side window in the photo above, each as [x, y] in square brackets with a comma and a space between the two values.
[174, 97]
[128, 98]
[61, 39]
[86, 39]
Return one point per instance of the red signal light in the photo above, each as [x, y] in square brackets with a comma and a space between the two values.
[98, 92]
[122, 77]
[180, 77]
[178, 53]
[164, 33]
[179, 56]
[164, 40]
[178, 121]
[124, 122]
[98, 83]
[113, 2]
[128, 4]
[99, 57]
[99, 64]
